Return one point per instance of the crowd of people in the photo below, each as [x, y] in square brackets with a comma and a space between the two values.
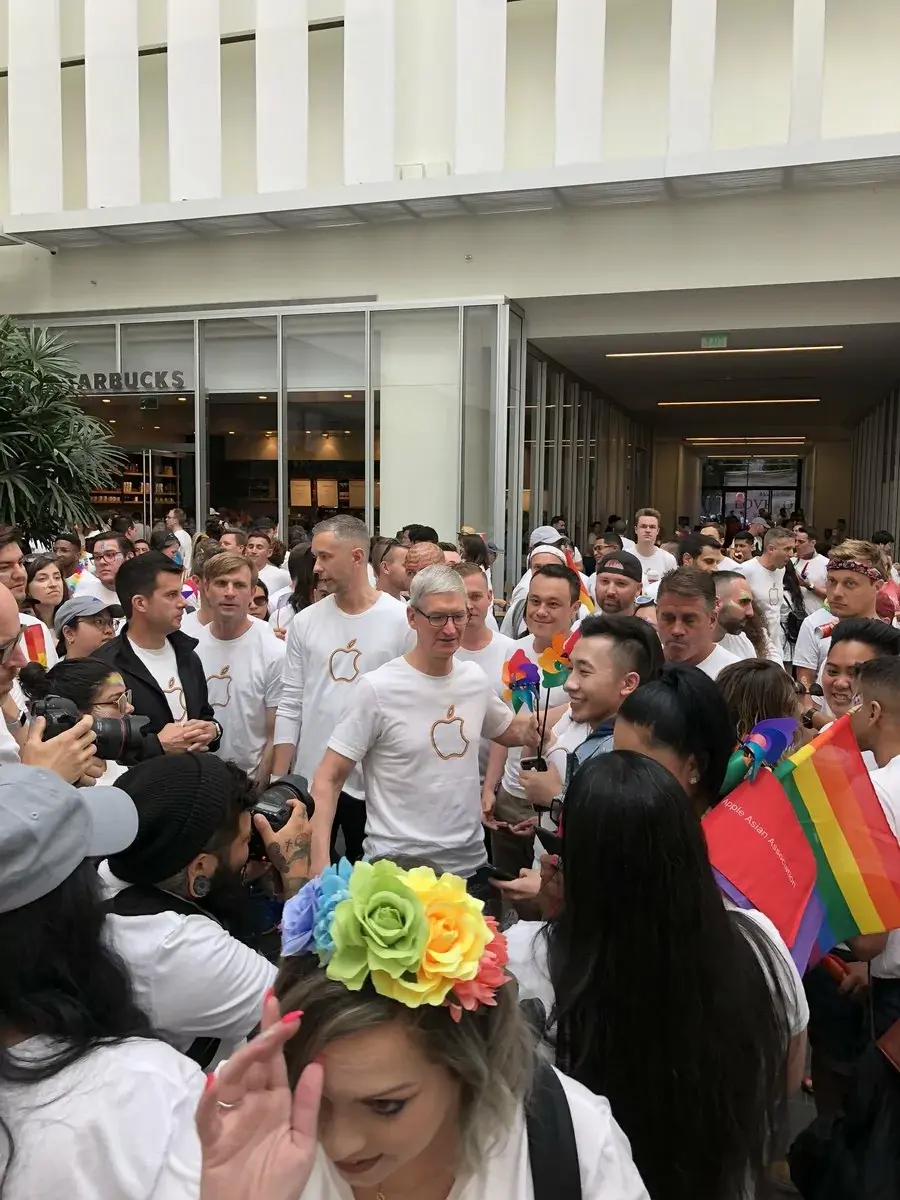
[327, 871]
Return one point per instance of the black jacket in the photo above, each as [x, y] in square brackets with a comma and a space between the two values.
[146, 694]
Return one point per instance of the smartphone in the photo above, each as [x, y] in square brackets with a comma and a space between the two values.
[533, 764]
[551, 842]
[496, 873]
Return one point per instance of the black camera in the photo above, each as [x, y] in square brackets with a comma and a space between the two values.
[117, 737]
[273, 805]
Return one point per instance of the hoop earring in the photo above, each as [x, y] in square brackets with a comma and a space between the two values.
[200, 887]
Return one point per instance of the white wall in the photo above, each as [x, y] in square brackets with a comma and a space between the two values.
[752, 94]
[861, 94]
[636, 87]
[530, 84]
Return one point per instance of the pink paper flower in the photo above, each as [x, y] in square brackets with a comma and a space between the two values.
[471, 994]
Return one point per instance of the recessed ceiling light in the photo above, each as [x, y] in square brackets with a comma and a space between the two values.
[106, 400]
[182, 399]
[112, 420]
[720, 353]
[231, 433]
[156, 427]
[347, 431]
[707, 403]
[263, 397]
[348, 395]
[307, 431]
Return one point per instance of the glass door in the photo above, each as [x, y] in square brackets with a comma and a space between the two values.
[156, 481]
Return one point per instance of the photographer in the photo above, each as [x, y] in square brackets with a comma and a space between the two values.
[178, 903]
[70, 755]
[90, 686]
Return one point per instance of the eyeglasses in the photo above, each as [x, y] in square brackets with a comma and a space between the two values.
[439, 620]
[109, 556]
[121, 702]
[814, 689]
[8, 649]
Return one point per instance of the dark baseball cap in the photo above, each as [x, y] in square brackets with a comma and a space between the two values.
[620, 562]
[48, 828]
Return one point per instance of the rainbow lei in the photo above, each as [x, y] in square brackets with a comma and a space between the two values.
[419, 938]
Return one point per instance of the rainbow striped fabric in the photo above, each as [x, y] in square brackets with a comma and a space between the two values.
[808, 844]
[583, 595]
[35, 644]
[857, 856]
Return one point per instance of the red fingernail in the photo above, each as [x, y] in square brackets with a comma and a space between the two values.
[554, 860]
[292, 1016]
[210, 1080]
[270, 992]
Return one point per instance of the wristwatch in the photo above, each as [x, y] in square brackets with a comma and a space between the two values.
[807, 718]
[219, 730]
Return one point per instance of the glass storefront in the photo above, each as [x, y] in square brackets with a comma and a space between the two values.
[390, 413]
[748, 486]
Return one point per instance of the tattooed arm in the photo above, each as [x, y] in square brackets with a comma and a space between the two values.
[288, 849]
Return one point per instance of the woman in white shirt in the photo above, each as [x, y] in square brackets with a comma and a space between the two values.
[286, 603]
[688, 1016]
[427, 1063]
[92, 1103]
[92, 687]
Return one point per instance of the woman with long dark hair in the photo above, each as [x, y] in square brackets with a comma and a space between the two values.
[285, 604]
[679, 719]
[45, 588]
[91, 1102]
[688, 1015]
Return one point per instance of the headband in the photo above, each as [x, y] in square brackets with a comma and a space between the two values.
[419, 938]
[857, 567]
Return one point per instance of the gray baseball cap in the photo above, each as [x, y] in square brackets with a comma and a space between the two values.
[48, 828]
[78, 606]
[544, 535]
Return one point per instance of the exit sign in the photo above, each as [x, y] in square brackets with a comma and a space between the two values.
[714, 341]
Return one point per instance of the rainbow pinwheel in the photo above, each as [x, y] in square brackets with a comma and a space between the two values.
[766, 743]
[522, 681]
[554, 662]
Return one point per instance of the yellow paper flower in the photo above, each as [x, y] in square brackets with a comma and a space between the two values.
[457, 937]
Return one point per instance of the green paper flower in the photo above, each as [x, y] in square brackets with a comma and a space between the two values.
[381, 926]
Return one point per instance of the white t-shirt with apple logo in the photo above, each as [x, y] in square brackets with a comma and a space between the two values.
[243, 679]
[417, 738]
[327, 653]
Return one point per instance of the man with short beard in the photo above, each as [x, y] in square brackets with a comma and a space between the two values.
[177, 904]
[617, 584]
[735, 613]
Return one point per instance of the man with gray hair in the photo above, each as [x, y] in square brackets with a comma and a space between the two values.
[414, 725]
[329, 647]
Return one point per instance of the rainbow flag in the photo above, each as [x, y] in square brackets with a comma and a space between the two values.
[35, 644]
[808, 844]
[584, 596]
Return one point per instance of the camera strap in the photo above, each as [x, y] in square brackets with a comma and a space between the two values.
[138, 900]
[552, 1149]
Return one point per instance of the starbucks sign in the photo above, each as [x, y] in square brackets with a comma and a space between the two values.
[132, 381]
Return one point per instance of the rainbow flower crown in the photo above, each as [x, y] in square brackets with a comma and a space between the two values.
[420, 938]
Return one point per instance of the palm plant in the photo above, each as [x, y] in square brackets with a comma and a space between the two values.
[52, 453]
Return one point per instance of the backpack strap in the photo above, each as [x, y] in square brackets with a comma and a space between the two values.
[552, 1149]
[140, 901]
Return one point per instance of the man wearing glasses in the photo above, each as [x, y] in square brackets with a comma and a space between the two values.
[414, 725]
[109, 552]
[329, 647]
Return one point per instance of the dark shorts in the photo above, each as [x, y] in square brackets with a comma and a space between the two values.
[838, 1024]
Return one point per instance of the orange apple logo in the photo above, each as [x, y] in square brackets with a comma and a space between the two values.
[343, 665]
[448, 736]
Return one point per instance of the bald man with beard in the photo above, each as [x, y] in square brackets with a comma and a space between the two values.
[421, 555]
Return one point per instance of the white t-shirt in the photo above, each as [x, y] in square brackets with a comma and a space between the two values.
[813, 642]
[558, 697]
[9, 747]
[274, 578]
[328, 652]
[190, 976]
[416, 736]
[717, 661]
[604, 1158]
[814, 571]
[163, 666]
[116, 1125]
[90, 585]
[193, 626]
[655, 565]
[184, 541]
[528, 965]
[491, 659]
[768, 592]
[281, 611]
[737, 644]
[243, 681]
[886, 781]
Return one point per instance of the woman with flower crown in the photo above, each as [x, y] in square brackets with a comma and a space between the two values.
[402, 1069]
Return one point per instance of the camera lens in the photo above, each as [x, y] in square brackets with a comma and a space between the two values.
[118, 737]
